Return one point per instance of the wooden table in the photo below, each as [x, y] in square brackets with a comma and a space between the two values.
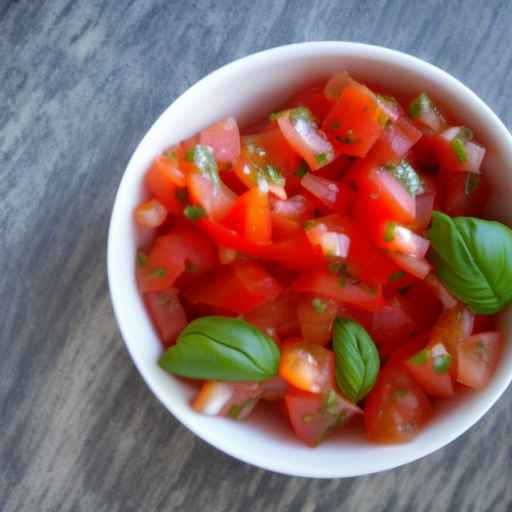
[80, 83]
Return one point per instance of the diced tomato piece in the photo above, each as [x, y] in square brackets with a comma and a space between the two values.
[446, 298]
[238, 287]
[314, 100]
[233, 399]
[336, 169]
[418, 267]
[163, 180]
[338, 197]
[274, 389]
[167, 314]
[425, 113]
[430, 368]
[151, 214]
[339, 288]
[395, 141]
[304, 136]
[226, 255]
[477, 358]
[295, 253]
[382, 197]
[484, 323]
[451, 329]
[169, 256]
[458, 154]
[284, 228]
[224, 138]
[307, 366]
[335, 85]
[250, 216]
[397, 238]
[278, 316]
[396, 408]
[316, 316]
[355, 122]
[420, 303]
[424, 208]
[390, 107]
[463, 194]
[315, 415]
[215, 198]
[333, 244]
[408, 349]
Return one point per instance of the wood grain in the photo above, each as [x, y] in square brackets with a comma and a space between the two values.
[80, 83]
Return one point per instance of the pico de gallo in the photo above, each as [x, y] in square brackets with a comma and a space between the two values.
[328, 258]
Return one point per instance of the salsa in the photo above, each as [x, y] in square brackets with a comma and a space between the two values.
[329, 258]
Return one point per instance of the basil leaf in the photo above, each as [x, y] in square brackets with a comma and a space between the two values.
[473, 259]
[222, 348]
[357, 359]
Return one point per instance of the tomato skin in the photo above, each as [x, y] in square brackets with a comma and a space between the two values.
[238, 287]
[338, 197]
[325, 283]
[477, 358]
[355, 121]
[250, 216]
[169, 255]
[151, 214]
[313, 99]
[396, 408]
[224, 138]
[408, 349]
[316, 322]
[167, 314]
[314, 415]
[163, 179]
[423, 369]
[307, 140]
[307, 366]
[296, 253]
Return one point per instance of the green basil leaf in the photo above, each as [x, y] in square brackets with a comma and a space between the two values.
[357, 359]
[473, 259]
[222, 348]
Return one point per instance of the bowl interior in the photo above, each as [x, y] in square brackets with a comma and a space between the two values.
[248, 89]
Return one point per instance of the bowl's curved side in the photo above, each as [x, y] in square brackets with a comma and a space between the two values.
[279, 71]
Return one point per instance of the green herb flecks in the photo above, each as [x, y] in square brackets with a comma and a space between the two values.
[194, 212]
[321, 158]
[302, 170]
[441, 364]
[318, 305]
[159, 272]
[181, 195]
[407, 176]
[301, 113]
[142, 259]
[420, 358]
[389, 232]
[396, 276]
[471, 183]
[204, 160]
[459, 149]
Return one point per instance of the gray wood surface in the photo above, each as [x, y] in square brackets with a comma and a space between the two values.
[80, 83]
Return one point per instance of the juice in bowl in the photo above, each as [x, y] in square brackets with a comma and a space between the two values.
[317, 261]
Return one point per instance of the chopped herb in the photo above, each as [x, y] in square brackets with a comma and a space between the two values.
[194, 212]
[342, 281]
[441, 364]
[420, 358]
[308, 224]
[335, 125]
[421, 104]
[205, 162]
[181, 195]
[396, 276]
[330, 404]
[163, 299]
[302, 170]
[189, 155]
[170, 154]
[234, 411]
[407, 176]
[471, 183]
[400, 392]
[465, 134]
[389, 232]
[299, 113]
[384, 98]
[159, 272]
[337, 267]
[321, 158]
[459, 149]
[142, 259]
[319, 305]
[482, 353]
[274, 116]
[348, 138]
[308, 418]
[273, 175]
[190, 266]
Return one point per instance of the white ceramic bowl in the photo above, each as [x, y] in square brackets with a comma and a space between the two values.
[245, 89]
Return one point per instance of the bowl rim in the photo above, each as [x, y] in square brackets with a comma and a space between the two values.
[293, 50]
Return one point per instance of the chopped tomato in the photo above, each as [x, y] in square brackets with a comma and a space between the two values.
[424, 208]
[339, 288]
[396, 408]
[295, 253]
[430, 368]
[463, 194]
[298, 207]
[338, 197]
[167, 314]
[303, 135]
[477, 358]
[169, 256]
[278, 316]
[421, 303]
[335, 85]
[250, 216]
[163, 181]
[150, 214]
[315, 415]
[314, 100]
[398, 238]
[418, 267]
[407, 349]
[273, 389]
[224, 138]
[457, 153]
[233, 399]
[451, 329]
[316, 316]
[336, 169]
[238, 287]
[307, 366]
[333, 244]
[355, 122]
[446, 298]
